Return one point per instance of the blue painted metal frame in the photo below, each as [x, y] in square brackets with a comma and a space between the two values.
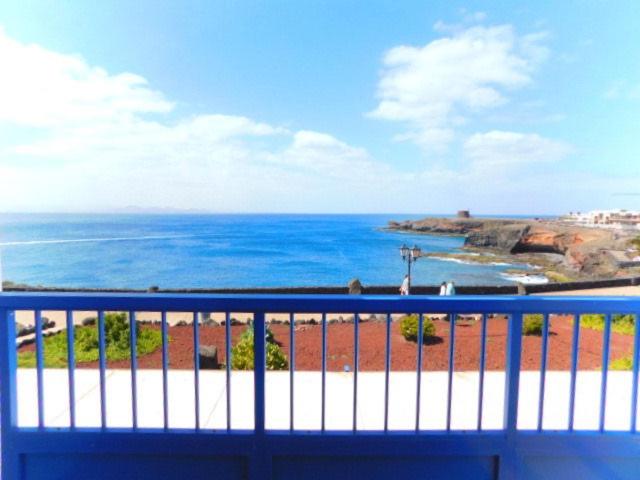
[481, 369]
[543, 369]
[259, 446]
[133, 346]
[196, 368]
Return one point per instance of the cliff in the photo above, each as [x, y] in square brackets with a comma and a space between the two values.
[577, 251]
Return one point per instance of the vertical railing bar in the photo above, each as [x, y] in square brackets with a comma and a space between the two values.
[324, 371]
[133, 340]
[636, 360]
[511, 394]
[259, 371]
[575, 346]
[356, 353]
[452, 340]
[483, 361]
[196, 368]
[165, 366]
[543, 369]
[292, 366]
[387, 368]
[605, 370]
[103, 368]
[419, 369]
[11, 461]
[71, 361]
[40, 366]
[227, 346]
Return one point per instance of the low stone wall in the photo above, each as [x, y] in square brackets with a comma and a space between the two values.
[366, 290]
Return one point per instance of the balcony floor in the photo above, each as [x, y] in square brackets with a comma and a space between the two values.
[308, 400]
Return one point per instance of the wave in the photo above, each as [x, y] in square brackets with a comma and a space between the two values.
[526, 279]
[456, 260]
[85, 240]
[471, 262]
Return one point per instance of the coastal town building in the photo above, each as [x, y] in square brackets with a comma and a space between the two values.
[620, 219]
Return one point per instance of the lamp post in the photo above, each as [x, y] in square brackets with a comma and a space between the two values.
[410, 255]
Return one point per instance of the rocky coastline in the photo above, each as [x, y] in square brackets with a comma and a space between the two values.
[562, 252]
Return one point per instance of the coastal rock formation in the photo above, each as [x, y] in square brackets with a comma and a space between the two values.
[577, 251]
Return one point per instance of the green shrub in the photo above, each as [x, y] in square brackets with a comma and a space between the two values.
[409, 328]
[242, 353]
[533, 324]
[556, 277]
[623, 324]
[623, 363]
[116, 326]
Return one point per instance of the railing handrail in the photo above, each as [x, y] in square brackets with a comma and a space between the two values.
[318, 303]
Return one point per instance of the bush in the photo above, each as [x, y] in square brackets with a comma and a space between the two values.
[242, 353]
[623, 324]
[623, 363]
[533, 324]
[409, 328]
[116, 327]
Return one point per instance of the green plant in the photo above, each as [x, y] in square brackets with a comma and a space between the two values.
[623, 324]
[86, 343]
[623, 363]
[242, 353]
[556, 277]
[409, 328]
[636, 242]
[533, 324]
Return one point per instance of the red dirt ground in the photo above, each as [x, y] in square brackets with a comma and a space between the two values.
[340, 346]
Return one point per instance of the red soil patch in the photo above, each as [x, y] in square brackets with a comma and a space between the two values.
[340, 347]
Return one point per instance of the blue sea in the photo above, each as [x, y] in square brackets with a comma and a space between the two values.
[210, 251]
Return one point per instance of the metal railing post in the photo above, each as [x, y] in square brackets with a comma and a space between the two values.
[8, 394]
[508, 459]
[260, 460]
[259, 368]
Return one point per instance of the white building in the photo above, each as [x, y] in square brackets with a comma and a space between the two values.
[605, 219]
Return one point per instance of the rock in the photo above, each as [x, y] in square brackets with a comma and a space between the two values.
[210, 322]
[208, 357]
[355, 287]
[88, 321]
[504, 238]
[21, 330]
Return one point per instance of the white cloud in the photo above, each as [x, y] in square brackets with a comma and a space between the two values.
[92, 140]
[508, 149]
[623, 90]
[437, 87]
[39, 87]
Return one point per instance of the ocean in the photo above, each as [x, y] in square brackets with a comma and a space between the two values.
[211, 251]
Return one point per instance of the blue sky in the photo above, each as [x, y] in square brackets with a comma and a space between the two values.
[320, 106]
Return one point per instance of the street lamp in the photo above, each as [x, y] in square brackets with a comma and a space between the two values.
[410, 255]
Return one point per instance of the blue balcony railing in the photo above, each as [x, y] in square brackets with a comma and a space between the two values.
[142, 452]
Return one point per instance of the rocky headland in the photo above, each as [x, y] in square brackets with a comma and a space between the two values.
[563, 252]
